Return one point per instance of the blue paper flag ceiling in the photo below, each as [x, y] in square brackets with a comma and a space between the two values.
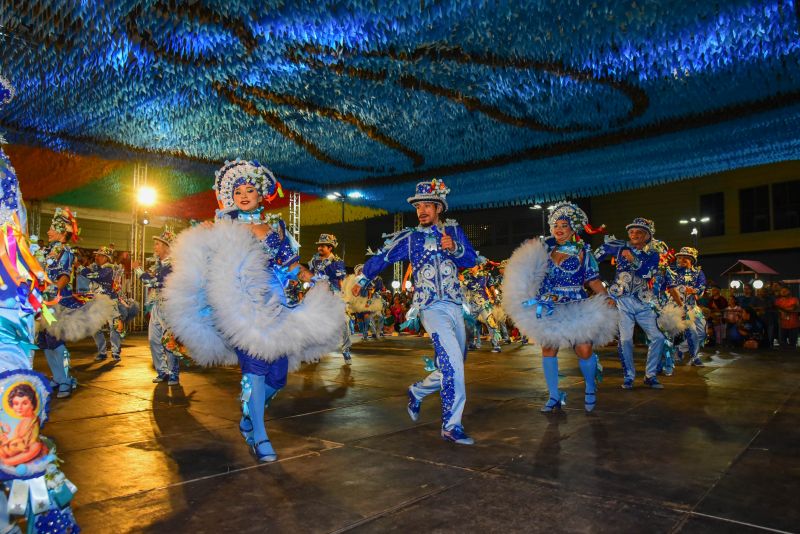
[507, 101]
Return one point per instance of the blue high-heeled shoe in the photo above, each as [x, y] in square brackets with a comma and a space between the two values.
[554, 404]
[246, 429]
[264, 451]
[589, 401]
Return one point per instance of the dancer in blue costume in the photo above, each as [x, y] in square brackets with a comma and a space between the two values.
[545, 295]
[76, 317]
[687, 283]
[436, 251]
[368, 307]
[637, 264]
[327, 264]
[101, 275]
[479, 294]
[226, 299]
[165, 362]
[498, 312]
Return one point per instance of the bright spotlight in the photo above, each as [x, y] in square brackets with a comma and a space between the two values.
[536, 207]
[334, 196]
[408, 284]
[146, 196]
[705, 219]
[683, 221]
[735, 284]
[145, 219]
[355, 194]
[395, 285]
[306, 285]
[693, 219]
[758, 284]
[694, 231]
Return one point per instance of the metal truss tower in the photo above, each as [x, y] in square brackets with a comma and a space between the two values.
[398, 266]
[294, 215]
[136, 290]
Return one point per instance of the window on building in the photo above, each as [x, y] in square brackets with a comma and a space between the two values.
[754, 209]
[712, 206]
[786, 204]
[480, 235]
[522, 229]
[501, 232]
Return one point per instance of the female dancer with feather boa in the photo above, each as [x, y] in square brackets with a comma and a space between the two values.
[544, 295]
[225, 298]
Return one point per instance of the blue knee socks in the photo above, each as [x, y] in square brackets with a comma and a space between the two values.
[550, 368]
[259, 394]
[589, 370]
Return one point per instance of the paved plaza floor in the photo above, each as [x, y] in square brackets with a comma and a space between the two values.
[715, 451]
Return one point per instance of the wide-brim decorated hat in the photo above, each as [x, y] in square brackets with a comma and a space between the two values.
[688, 252]
[569, 212]
[65, 221]
[166, 237]
[327, 239]
[431, 191]
[104, 251]
[239, 172]
[645, 224]
[574, 215]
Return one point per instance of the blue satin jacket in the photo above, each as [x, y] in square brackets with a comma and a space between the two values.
[435, 271]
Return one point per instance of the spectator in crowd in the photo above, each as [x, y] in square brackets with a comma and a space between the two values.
[769, 314]
[746, 299]
[788, 308]
[748, 332]
[716, 305]
[732, 315]
[388, 321]
[398, 311]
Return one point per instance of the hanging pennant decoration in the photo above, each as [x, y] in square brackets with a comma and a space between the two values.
[539, 99]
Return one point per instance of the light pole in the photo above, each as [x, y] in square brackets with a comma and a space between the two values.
[541, 210]
[339, 197]
[694, 222]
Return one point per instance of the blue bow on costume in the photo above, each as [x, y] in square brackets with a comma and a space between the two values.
[284, 274]
[545, 304]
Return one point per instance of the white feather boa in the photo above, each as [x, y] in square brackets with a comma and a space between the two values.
[673, 320]
[220, 295]
[74, 324]
[587, 321]
[359, 304]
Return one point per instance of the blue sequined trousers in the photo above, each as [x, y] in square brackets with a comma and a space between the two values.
[445, 322]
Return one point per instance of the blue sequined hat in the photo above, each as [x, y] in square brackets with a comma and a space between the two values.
[166, 237]
[645, 224]
[104, 251]
[239, 172]
[327, 239]
[569, 212]
[688, 252]
[431, 191]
